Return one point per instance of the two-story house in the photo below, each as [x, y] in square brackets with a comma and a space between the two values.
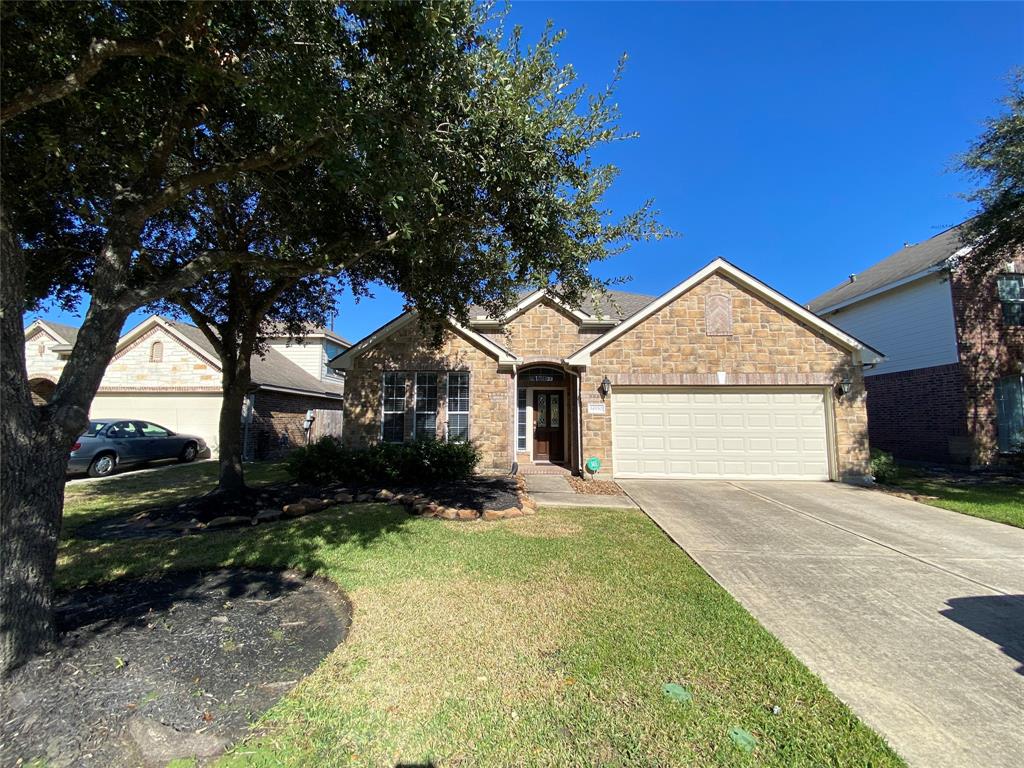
[950, 388]
[168, 372]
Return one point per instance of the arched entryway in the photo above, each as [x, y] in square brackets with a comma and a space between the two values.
[42, 390]
[546, 405]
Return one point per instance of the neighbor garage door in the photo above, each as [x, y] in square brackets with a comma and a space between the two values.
[196, 414]
[719, 434]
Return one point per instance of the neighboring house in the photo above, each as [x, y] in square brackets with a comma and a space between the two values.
[720, 377]
[950, 389]
[167, 372]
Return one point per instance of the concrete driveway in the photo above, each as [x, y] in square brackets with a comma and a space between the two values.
[912, 615]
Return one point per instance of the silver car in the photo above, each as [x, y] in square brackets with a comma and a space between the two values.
[110, 444]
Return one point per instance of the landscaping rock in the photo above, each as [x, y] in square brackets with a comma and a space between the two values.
[364, 497]
[160, 743]
[298, 509]
[447, 513]
[228, 520]
[467, 514]
[343, 498]
[494, 514]
[513, 512]
[267, 516]
[384, 495]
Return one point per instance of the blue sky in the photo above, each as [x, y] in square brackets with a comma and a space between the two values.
[800, 141]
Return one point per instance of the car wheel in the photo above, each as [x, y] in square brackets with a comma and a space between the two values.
[103, 465]
[189, 453]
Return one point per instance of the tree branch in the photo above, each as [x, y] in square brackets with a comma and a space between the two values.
[97, 55]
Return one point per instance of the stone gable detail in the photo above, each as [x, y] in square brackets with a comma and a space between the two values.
[545, 331]
[179, 367]
[718, 315]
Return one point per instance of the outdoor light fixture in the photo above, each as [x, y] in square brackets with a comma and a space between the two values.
[842, 388]
[606, 386]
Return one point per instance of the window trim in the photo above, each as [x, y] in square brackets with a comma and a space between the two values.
[384, 412]
[416, 402]
[1006, 303]
[448, 402]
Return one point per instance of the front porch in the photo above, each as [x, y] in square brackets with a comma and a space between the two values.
[546, 420]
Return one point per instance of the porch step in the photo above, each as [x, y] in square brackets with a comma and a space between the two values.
[526, 468]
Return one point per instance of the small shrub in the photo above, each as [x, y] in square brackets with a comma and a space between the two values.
[422, 462]
[883, 467]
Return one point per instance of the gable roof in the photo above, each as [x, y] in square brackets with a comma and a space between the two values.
[68, 334]
[755, 286]
[345, 359]
[603, 309]
[908, 263]
[273, 370]
[314, 331]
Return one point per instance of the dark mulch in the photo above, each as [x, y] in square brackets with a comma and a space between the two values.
[203, 653]
[481, 493]
[173, 520]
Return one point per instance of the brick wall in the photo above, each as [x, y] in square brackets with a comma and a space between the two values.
[989, 350]
[277, 424]
[920, 415]
[766, 348]
[408, 350]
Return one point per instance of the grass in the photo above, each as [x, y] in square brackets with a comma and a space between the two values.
[999, 501]
[538, 641]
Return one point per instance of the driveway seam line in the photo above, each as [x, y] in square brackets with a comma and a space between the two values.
[919, 559]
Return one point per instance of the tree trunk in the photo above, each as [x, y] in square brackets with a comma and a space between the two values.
[34, 446]
[236, 379]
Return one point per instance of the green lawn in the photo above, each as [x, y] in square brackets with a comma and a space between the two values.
[1000, 502]
[537, 641]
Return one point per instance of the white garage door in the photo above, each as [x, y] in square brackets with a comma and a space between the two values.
[190, 414]
[719, 434]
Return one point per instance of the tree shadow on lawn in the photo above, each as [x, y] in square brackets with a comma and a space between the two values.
[300, 544]
[999, 618]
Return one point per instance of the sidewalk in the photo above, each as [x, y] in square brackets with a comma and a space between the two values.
[555, 491]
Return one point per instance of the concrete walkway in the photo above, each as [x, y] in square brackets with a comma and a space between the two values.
[555, 491]
[913, 615]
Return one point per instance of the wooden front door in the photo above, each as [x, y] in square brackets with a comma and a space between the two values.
[548, 415]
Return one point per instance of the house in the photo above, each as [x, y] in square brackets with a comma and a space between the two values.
[168, 372]
[950, 389]
[720, 377]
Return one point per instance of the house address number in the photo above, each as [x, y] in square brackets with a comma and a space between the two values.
[595, 408]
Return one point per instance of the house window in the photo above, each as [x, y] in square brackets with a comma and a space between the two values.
[425, 424]
[521, 420]
[156, 352]
[393, 417]
[458, 405]
[1011, 296]
[1010, 414]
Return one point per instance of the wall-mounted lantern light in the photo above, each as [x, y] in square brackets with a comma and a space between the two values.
[842, 388]
[606, 387]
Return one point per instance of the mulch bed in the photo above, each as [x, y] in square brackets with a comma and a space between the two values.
[148, 671]
[483, 494]
[597, 487]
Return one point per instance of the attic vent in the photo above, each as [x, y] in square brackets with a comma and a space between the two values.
[718, 315]
[156, 352]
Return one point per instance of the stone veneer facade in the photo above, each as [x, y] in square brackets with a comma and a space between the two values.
[672, 348]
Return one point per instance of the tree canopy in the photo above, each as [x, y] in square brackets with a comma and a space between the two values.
[996, 162]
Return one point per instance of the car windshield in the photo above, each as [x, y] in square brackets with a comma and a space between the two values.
[95, 427]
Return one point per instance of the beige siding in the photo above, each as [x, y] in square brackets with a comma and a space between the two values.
[196, 414]
[911, 325]
[309, 355]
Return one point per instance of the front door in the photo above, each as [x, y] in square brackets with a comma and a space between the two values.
[548, 443]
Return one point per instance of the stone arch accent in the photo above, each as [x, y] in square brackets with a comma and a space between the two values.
[156, 352]
[42, 390]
